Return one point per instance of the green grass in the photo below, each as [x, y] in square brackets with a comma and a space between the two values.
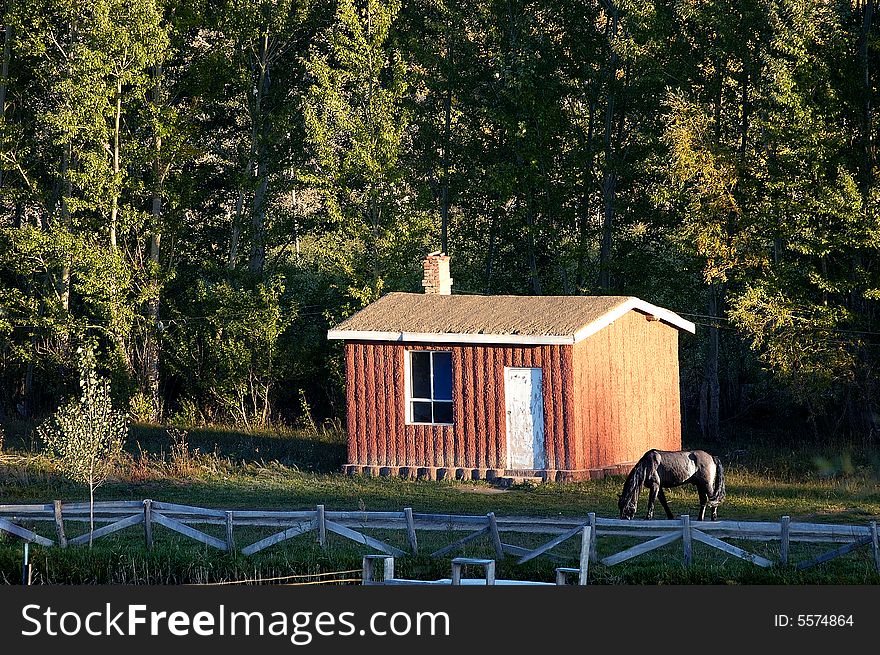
[232, 469]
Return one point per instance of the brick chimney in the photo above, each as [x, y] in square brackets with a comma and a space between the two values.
[437, 280]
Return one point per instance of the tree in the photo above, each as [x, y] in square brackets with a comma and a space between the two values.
[771, 170]
[86, 435]
[357, 127]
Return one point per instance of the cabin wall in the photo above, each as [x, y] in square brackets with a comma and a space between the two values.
[627, 391]
[376, 399]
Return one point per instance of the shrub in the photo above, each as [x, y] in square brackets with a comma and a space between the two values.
[86, 434]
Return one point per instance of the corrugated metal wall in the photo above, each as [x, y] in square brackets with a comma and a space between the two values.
[627, 386]
[379, 435]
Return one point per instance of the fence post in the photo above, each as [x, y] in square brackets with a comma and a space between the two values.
[411, 530]
[785, 539]
[586, 542]
[456, 574]
[59, 525]
[592, 517]
[495, 536]
[26, 565]
[368, 571]
[686, 539]
[875, 546]
[322, 526]
[230, 540]
[148, 523]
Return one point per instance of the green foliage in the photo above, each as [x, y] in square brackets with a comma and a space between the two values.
[770, 194]
[229, 352]
[356, 124]
[295, 160]
[86, 434]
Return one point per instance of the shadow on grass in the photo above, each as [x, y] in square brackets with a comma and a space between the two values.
[319, 452]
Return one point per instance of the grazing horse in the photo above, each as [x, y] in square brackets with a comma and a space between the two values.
[662, 469]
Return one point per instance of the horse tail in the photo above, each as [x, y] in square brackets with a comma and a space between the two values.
[718, 493]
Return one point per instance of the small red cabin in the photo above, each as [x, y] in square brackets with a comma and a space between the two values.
[464, 386]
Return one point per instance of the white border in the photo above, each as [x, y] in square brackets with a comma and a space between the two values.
[407, 377]
[526, 339]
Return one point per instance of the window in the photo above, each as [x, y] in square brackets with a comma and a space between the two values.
[430, 387]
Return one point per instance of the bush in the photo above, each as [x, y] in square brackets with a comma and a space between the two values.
[86, 434]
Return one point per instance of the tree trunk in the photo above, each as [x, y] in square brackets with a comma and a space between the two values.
[258, 221]
[867, 108]
[609, 183]
[490, 255]
[447, 140]
[586, 205]
[114, 207]
[151, 345]
[235, 231]
[710, 389]
[374, 214]
[534, 280]
[4, 76]
[64, 280]
[91, 513]
[257, 259]
[609, 186]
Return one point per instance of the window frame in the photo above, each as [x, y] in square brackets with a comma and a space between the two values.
[409, 394]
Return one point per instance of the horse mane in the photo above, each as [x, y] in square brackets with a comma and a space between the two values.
[718, 493]
[634, 482]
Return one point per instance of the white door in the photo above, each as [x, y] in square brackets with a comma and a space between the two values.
[524, 399]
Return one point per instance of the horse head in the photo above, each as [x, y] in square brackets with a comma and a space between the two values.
[627, 506]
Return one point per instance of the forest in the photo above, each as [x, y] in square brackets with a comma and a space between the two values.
[198, 190]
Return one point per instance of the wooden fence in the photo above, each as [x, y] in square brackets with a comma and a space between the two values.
[114, 516]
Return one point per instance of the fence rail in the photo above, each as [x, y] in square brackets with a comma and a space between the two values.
[113, 516]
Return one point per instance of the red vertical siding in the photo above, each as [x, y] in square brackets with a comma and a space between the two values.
[487, 406]
[480, 413]
[497, 357]
[395, 409]
[570, 443]
[350, 404]
[372, 408]
[363, 429]
[458, 440]
[376, 394]
[549, 383]
[468, 420]
[382, 409]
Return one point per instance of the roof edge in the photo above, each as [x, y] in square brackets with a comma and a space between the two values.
[451, 337]
[612, 315]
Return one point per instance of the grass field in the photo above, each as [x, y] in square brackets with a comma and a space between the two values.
[227, 469]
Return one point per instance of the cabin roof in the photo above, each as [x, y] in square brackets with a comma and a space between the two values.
[434, 318]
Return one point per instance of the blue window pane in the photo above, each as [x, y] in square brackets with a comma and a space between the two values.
[420, 375]
[443, 376]
[421, 412]
[442, 412]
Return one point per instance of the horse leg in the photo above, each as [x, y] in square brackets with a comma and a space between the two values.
[652, 496]
[715, 512]
[704, 500]
[663, 502]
